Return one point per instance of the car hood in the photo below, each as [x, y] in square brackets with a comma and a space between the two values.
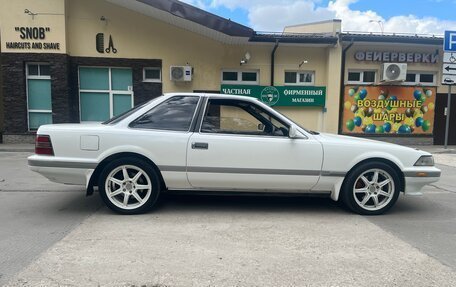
[350, 141]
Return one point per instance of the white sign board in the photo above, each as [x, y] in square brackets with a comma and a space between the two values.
[449, 58]
[449, 69]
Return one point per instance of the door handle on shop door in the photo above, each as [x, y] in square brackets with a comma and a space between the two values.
[200, 146]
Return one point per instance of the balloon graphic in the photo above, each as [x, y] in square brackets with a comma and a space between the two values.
[351, 92]
[347, 105]
[426, 125]
[379, 130]
[358, 121]
[417, 94]
[396, 127]
[419, 121]
[428, 93]
[350, 125]
[409, 121]
[381, 97]
[354, 108]
[424, 109]
[431, 106]
[404, 129]
[368, 121]
[363, 94]
[370, 129]
[357, 98]
[387, 127]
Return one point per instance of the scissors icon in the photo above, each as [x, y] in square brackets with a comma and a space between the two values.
[111, 46]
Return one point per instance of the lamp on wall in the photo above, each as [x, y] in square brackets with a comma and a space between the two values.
[303, 62]
[246, 58]
[30, 13]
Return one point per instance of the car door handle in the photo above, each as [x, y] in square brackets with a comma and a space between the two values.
[200, 146]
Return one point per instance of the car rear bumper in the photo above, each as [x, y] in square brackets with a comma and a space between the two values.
[416, 178]
[61, 170]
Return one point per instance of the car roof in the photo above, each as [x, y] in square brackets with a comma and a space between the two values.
[224, 96]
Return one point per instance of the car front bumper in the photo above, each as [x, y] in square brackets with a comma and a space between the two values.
[417, 177]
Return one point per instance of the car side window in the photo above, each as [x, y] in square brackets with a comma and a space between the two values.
[239, 117]
[175, 114]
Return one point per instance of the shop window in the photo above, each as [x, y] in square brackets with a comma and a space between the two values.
[419, 78]
[104, 92]
[152, 75]
[299, 78]
[175, 114]
[240, 77]
[39, 100]
[361, 77]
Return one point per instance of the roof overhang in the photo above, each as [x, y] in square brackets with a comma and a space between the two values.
[392, 39]
[190, 18]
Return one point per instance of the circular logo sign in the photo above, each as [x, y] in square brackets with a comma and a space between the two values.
[270, 96]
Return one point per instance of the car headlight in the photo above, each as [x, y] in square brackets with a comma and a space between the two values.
[425, 160]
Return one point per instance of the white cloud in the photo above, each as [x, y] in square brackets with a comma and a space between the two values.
[274, 15]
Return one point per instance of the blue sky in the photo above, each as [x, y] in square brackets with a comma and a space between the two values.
[420, 16]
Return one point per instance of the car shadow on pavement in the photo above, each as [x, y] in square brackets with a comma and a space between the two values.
[246, 204]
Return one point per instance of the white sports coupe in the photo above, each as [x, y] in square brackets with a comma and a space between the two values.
[224, 143]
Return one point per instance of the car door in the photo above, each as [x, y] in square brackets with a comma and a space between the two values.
[241, 146]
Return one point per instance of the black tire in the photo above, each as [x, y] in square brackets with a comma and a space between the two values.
[143, 206]
[367, 169]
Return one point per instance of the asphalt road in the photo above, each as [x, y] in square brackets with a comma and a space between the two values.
[52, 235]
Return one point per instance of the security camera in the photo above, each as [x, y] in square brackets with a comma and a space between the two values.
[243, 61]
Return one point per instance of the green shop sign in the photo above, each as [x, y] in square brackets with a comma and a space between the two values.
[280, 95]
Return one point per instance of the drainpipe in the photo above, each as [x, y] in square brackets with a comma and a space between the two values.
[342, 82]
[273, 60]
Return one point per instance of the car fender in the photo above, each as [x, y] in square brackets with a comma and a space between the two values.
[366, 156]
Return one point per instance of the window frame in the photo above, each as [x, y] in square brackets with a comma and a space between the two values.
[206, 105]
[361, 76]
[297, 82]
[239, 77]
[417, 81]
[36, 77]
[192, 121]
[110, 91]
[159, 80]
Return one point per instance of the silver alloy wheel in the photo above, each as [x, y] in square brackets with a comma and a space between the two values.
[373, 189]
[128, 187]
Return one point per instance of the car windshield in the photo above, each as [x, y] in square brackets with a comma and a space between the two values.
[118, 118]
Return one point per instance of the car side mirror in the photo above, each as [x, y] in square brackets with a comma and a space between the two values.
[293, 132]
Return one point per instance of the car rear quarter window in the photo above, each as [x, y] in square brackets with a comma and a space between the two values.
[175, 114]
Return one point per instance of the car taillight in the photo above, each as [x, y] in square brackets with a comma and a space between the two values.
[43, 145]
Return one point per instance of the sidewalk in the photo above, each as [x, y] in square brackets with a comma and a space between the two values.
[17, 147]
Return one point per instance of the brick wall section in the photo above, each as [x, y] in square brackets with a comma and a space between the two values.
[143, 91]
[15, 95]
[64, 87]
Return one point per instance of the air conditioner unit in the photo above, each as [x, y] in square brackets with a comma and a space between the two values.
[394, 72]
[181, 73]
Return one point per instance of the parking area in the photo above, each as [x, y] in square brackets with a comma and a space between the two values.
[52, 235]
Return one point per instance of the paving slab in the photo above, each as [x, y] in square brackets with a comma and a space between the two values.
[222, 242]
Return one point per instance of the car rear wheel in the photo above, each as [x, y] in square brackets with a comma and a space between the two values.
[129, 186]
[371, 188]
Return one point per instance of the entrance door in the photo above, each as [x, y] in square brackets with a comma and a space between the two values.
[104, 92]
[440, 120]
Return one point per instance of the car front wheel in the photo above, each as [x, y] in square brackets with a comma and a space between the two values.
[371, 188]
[129, 186]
